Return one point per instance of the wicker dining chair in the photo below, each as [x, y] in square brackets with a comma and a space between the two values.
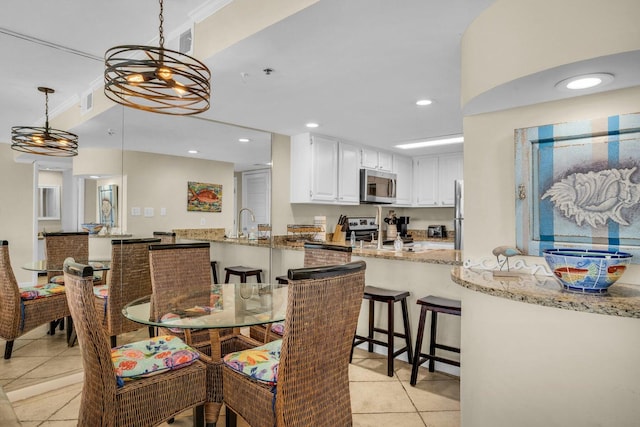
[315, 255]
[129, 278]
[181, 271]
[62, 245]
[147, 401]
[312, 382]
[19, 315]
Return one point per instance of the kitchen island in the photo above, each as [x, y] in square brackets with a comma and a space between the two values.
[424, 272]
[559, 358]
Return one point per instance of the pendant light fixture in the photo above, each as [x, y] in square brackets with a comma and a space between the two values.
[156, 79]
[44, 141]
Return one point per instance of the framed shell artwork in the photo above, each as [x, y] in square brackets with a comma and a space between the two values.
[578, 186]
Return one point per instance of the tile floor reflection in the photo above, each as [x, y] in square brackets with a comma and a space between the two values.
[43, 381]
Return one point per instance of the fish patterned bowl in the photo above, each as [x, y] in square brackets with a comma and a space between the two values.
[92, 227]
[586, 271]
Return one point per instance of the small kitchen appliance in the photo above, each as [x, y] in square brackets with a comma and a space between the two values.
[437, 231]
[377, 187]
[403, 222]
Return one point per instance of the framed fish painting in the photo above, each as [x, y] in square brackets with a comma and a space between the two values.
[578, 186]
[203, 197]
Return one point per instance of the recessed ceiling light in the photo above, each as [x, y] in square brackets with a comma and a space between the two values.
[423, 102]
[431, 143]
[585, 81]
[312, 125]
[193, 151]
[244, 139]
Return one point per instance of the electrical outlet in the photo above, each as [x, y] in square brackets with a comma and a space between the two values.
[203, 221]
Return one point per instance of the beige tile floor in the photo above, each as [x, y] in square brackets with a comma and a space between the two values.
[43, 381]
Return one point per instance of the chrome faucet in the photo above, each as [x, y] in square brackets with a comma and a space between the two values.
[253, 219]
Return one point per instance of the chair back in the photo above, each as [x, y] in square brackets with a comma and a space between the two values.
[318, 254]
[9, 296]
[129, 278]
[98, 406]
[179, 273]
[62, 245]
[322, 315]
[166, 237]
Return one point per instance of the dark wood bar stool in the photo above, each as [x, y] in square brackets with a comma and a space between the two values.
[389, 297]
[435, 305]
[243, 272]
[214, 270]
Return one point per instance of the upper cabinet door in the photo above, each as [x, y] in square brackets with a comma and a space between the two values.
[450, 169]
[403, 168]
[324, 169]
[426, 181]
[385, 161]
[369, 158]
[348, 174]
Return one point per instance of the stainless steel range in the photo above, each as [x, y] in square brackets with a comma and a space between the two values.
[364, 227]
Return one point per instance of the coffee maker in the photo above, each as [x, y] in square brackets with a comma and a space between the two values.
[403, 222]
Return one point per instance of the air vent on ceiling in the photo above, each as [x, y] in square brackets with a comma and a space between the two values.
[186, 41]
[86, 103]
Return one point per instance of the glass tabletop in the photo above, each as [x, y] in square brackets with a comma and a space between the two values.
[43, 266]
[228, 305]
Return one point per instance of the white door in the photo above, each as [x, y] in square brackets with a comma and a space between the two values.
[256, 195]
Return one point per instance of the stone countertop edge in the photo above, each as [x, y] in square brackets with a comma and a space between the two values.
[430, 256]
[622, 300]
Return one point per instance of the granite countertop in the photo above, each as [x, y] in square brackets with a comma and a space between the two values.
[431, 256]
[622, 299]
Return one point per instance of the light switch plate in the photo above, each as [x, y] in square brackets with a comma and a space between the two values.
[163, 211]
[148, 212]
[135, 211]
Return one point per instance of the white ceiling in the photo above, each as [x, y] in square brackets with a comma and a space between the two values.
[356, 67]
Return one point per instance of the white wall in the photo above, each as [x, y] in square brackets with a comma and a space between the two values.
[16, 211]
[523, 364]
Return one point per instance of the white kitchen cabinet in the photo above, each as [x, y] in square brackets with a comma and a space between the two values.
[374, 159]
[434, 177]
[403, 168]
[323, 170]
[348, 174]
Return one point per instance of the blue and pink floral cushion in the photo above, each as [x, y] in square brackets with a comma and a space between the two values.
[151, 357]
[278, 328]
[259, 363]
[40, 291]
[101, 291]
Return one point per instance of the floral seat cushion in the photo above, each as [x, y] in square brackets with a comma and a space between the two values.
[40, 291]
[101, 291]
[278, 328]
[151, 357]
[259, 363]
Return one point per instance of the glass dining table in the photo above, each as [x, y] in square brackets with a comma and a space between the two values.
[223, 306]
[227, 306]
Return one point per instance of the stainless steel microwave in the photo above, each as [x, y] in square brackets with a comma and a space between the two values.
[377, 187]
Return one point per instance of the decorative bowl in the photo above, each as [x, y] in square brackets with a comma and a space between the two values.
[586, 271]
[92, 227]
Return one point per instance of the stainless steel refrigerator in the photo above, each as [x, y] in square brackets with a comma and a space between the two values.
[458, 215]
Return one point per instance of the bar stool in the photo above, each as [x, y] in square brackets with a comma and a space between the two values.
[389, 297]
[214, 270]
[243, 272]
[435, 305]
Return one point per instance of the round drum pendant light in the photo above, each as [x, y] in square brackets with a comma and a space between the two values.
[44, 140]
[156, 79]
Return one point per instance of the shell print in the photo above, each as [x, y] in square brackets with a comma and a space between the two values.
[596, 196]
